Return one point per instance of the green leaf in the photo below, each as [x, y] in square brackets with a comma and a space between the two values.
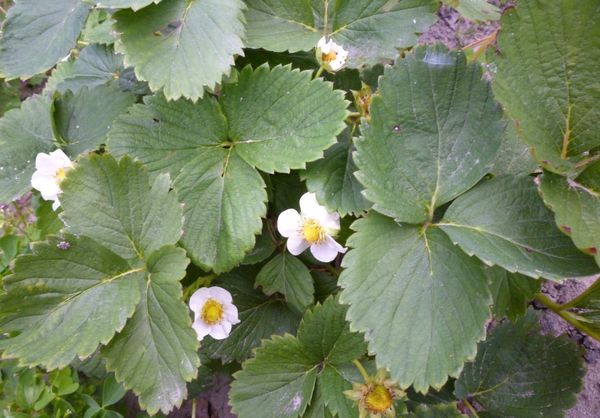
[432, 301]
[113, 202]
[10, 95]
[37, 34]
[24, 133]
[512, 292]
[332, 178]
[547, 79]
[84, 118]
[263, 249]
[436, 411]
[576, 205]
[260, 318]
[159, 337]
[477, 10]
[122, 4]
[520, 373]
[371, 30]
[211, 148]
[66, 302]
[435, 130]
[280, 380]
[181, 46]
[112, 391]
[504, 222]
[287, 275]
[98, 28]
[513, 157]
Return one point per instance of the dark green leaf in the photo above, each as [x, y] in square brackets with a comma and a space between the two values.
[512, 292]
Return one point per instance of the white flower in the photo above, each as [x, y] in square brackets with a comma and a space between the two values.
[214, 312]
[312, 228]
[50, 171]
[331, 55]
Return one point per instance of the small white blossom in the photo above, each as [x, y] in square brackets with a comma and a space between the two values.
[50, 171]
[313, 228]
[331, 55]
[214, 312]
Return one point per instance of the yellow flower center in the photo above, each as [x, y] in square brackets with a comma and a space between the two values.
[313, 231]
[378, 399]
[212, 312]
[60, 174]
[330, 56]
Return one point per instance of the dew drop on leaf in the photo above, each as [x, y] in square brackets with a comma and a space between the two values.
[396, 128]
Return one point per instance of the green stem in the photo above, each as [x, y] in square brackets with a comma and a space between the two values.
[362, 371]
[557, 309]
[468, 405]
[575, 301]
[319, 72]
[326, 19]
[194, 408]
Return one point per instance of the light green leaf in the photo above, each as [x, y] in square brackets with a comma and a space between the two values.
[504, 222]
[159, 337]
[371, 30]
[432, 300]
[67, 301]
[520, 373]
[547, 79]
[96, 65]
[24, 133]
[98, 28]
[287, 275]
[37, 34]
[260, 318]
[332, 178]
[576, 205]
[513, 157]
[211, 148]
[280, 380]
[181, 46]
[512, 292]
[113, 202]
[122, 4]
[435, 130]
[84, 118]
[477, 10]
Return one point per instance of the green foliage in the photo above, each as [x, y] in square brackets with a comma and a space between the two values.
[478, 10]
[370, 29]
[432, 298]
[511, 292]
[544, 371]
[280, 380]
[547, 79]
[434, 130]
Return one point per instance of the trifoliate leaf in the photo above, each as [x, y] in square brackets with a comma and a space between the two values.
[421, 302]
[37, 34]
[287, 368]
[68, 297]
[84, 118]
[371, 30]
[477, 10]
[24, 133]
[96, 65]
[435, 130]
[332, 178]
[513, 157]
[122, 4]
[211, 148]
[576, 205]
[159, 337]
[512, 292]
[504, 222]
[287, 275]
[520, 373]
[114, 203]
[181, 46]
[260, 318]
[98, 28]
[547, 80]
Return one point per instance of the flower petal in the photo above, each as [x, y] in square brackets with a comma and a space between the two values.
[331, 222]
[220, 294]
[199, 298]
[289, 222]
[202, 329]
[55, 204]
[220, 331]
[61, 158]
[230, 313]
[46, 184]
[324, 46]
[311, 209]
[327, 250]
[45, 164]
[297, 244]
